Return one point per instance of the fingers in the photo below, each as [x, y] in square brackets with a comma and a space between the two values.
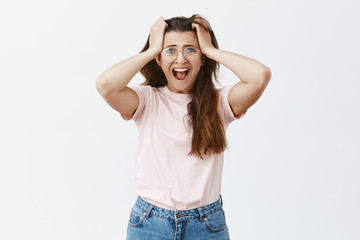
[202, 22]
[200, 30]
[204, 37]
[159, 24]
[198, 27]
[157, 32]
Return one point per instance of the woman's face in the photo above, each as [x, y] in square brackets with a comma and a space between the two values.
[180, 71]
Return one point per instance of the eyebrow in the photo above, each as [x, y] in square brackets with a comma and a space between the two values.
[187, 45]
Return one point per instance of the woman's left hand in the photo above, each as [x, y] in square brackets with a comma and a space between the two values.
[204, 38]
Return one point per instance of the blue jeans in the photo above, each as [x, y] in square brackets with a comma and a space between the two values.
[148, 222]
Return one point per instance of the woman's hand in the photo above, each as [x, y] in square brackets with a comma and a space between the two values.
[203, 35]
[157, 32]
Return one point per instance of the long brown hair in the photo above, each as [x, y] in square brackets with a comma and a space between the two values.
[208, 131]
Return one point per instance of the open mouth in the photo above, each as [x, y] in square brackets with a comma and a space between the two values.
[180, 73]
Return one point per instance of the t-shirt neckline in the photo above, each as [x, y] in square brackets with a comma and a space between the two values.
[177, 96]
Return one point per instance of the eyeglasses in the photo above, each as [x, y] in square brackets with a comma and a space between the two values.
[190, 53]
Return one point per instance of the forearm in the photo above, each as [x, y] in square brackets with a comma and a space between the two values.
[117, 77]
[245, 68]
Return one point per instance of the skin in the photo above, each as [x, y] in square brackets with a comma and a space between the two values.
[253, 75]
[180, 40]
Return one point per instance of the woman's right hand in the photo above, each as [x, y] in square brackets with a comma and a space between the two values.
[157, 32]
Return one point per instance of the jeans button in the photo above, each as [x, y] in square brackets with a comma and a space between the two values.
[179, 215]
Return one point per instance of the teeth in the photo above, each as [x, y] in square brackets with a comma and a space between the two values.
[180, 69]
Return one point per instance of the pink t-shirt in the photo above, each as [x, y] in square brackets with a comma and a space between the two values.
[165, 175]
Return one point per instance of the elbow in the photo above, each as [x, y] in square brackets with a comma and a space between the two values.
[265, 76]
[100, 85]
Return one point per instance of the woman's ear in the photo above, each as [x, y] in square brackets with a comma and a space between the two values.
[158, 60]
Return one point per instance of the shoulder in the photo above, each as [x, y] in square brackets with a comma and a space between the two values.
[144, 91]
[224, 107]
[224, 92]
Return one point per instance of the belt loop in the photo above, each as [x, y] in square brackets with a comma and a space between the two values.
[201, 214]
[221, 200]
[147, 213]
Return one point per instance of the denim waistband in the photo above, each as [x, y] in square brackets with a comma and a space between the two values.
[202, 212]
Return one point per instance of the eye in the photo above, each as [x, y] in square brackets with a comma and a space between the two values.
[190, 50]
[169, 51]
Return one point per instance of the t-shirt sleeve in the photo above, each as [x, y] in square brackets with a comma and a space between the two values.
[143, 93]
[224, 108]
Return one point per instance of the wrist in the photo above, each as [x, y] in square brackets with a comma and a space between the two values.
[209, 52]
[152, 53]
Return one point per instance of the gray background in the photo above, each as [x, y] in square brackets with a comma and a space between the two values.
[292, 167]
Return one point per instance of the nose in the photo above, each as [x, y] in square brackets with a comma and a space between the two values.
[180, 58]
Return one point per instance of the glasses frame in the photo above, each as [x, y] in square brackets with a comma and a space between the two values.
[172, 58]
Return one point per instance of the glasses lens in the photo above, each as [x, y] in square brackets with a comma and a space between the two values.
[191, 53]
[170, 54]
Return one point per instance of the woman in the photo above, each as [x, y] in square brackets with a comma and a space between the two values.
[182, 119]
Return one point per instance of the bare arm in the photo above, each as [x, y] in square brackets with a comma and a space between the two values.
[112, 84]
[254, 75]
[254, 78]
